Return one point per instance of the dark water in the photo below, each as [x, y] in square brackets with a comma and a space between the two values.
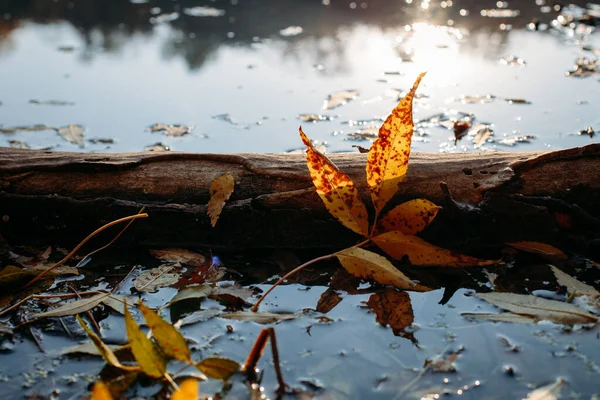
[125, 66]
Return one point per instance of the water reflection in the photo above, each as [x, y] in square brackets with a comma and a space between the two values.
[236, 54]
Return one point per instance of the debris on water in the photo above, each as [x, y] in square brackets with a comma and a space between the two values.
[398, 73]
[225, 117]
[26, 128]
[51, 102]
[363, 122]
[589, 131]
[201, 11]
[151, 280]
[314, 117]
[157, 147]
[500, 13]
[101, 140]
[584, 67]
[339, 98]
[72, 133]
[515, 139]
[320, 145]
[66, 49]
[361, 149]
[482, 135]
[18, 144]
[488, 98]
[368, 133]
[517, 101]
[171, 130]
[513, 61]
[444, 363]
[291, 31]
[163, 18]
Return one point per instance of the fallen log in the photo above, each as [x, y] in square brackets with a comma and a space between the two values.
[492, 197]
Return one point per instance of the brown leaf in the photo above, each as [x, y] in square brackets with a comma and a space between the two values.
[218, 367]
[419, 252]
[151, 280]
[328, 300]
[339, 99]
[542, 249]
[371, 266]
[409, 218]
[182, 256]
[336, 189]
[233, 296]
[388, 157]
[444, 364]
[220, 191]
[74, 307]
[392, 308]
[574, 287]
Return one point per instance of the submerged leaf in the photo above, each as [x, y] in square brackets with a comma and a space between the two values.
[150, 360]
[419, 252]
[75, 307]
[411, 217]
[336, 189]
[188, 390]
[371, 266]
[388, 157]
[218, 367]
[168, 338]
[542, 249]
[220, 191]
[543, 309]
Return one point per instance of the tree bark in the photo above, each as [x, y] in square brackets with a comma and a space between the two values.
[492, 197]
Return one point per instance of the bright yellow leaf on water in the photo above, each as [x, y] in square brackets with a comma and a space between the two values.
[168, 338]
[409, 218]
[143, 349]
[388, 157]
[337, 190]
[371, 266]
[419, 252]
[220, 191]
[100, 391]
[188, 390]
[542, 249]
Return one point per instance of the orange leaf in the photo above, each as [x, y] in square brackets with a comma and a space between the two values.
[542, 249]
[409, 218]
[392, 308]
[188, 390]
[336, 189]
[100, 391]
[419, 252]
[220, 190]
[388, 157]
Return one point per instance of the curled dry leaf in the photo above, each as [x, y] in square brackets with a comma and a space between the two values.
[388, 157]
[542, 249]
[548, 392]
[182, 256]
[328, 300]
[371, 266]
[409, 218]
[143, 349]
[188, 390]
[392, 308]
[419, 252]
[169, 339]
[220, 191]
[259, 317]
[218, 367]
[539, 308]
[336, 189]
[74, 307]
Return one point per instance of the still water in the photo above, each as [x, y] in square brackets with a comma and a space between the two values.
[239, 74]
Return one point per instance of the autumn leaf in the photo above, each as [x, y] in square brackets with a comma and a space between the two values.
[419, 252]
[548, 392]
[409, 218]
[444, 363]
[328, 300]
[387, 161]
[182, 256]
[100, 391]
[188, 390]
[371, 266]
[336, 189]
[145, 353]
[259, 317]
[151, 280]
[542, 249]
[218, 367]
[168, 338]
[339, 99]
[74, 307]
[392, 308]
[220, 191]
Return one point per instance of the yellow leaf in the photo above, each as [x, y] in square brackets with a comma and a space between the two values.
[409, 218]
[336, 189]
[371, 266]
[220, 190]
[387, 161]
[168, 338]
[542, 249]
[188, 390]
[145, 353]
[218, 367]
[105, 351]
[100, 391]
[419, 252]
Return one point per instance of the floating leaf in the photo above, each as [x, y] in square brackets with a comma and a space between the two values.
[548, 392]
[419, 252]
[543, 309]
[182, 256]
[72, 134]
[388, 157]
[328, 300]
[117, 302]
[410, 218]
[72, 308]
[574, 287]
[371, 266]
[220, 191]
[100, 391]
[150, 281]
[168, 338]
[542, 249]
[88, 348]
[198, 316]
[339, 98]
[444, 364]
[191, 292]
[233, 296]
[12, 274]
[171, 130]
[336, 189]
[392, 308]
[218, 367]
[259, 317]
[105, 351]
[502, 317]
[188, 390]
[150, 360]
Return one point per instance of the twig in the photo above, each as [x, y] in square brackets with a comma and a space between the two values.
[282, 389]
[249, 367]
[88, 313]
[91, 235]
[171, 381]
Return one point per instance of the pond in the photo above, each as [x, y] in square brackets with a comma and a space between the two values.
[241, 76]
